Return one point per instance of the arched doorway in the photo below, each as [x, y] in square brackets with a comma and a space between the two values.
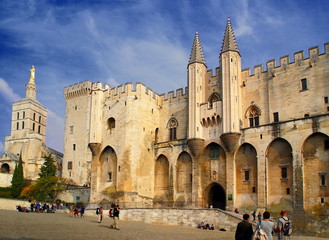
[217, 196]
[5, 168]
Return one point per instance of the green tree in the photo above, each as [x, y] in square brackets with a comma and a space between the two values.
[48, 168]
[18, 183]
[48, 186]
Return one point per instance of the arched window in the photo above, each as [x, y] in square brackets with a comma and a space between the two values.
[33, 127]
[23, 125]
[110, 123]
[18, 115]
[39, 119]
[39, 129]
[214, 97]
[33, 116]
[253, 112]
[172, 125]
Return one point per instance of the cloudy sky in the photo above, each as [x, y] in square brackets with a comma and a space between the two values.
[148, 41]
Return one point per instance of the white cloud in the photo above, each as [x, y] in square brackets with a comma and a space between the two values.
[7, 92]
[55, 131]
[112, 82]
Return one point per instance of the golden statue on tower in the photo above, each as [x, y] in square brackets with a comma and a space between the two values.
[32, 76]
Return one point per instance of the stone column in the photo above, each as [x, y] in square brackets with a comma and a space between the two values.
[95, 150]
[230, 180]
[261, 180]
[298, 182]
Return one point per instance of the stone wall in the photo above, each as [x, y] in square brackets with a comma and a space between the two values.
[5, 179]
[186, 217]
[75, 195]
[10, 204]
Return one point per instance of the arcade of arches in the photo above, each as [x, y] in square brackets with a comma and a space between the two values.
[220, 179]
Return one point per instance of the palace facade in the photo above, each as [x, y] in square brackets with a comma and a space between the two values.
[231, 138]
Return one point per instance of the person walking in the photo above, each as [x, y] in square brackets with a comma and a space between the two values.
[284, 226]
[100, 215]
[267, 225]
[244, 229]
[116, 213]
[254, 215]
[82, 212]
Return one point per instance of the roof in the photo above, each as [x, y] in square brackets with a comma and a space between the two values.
[229, 41]
[197, 52]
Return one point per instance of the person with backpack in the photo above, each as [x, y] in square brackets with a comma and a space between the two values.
[116, 212]
[99, 213]
[284, 226]
[265, 228]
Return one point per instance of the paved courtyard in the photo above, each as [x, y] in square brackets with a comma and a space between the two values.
[15, 225]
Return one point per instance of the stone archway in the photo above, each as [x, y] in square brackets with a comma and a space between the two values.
[279, 171]
[316, 169]
[215, 196]
[107, 176]
[5, 168]
[161, 182]
[246, 176]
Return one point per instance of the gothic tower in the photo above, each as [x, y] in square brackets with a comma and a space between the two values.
[230, 62]
[28, 129]
[196, 76]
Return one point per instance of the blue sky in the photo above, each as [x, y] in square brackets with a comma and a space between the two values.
[148, 41]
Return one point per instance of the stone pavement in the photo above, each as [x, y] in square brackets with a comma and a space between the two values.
[15, 225]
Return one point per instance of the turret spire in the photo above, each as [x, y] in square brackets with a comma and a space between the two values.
[197, 52]
[229, 41]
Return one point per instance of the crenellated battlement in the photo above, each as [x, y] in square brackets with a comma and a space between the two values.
[77, 90]
[284, 63]
[139, 90]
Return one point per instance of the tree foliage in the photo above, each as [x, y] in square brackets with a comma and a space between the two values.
[48, 186]
[45, 188]
[18, 183]
[48, 168]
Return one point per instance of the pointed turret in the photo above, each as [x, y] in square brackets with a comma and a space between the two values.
[197, 55]
[197, 70]
[229, 41]
[230, 62]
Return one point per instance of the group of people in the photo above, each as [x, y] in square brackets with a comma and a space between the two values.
[265, 229]
[42, 207]
[114, 213]
[206, 226]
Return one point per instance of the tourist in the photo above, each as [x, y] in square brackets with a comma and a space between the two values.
[82, 212]
[244, 229]
[254, 215]
[267, 225]
[76, 212]
[116, 213]
[284, 226]
[259, 217]
[100, 215]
